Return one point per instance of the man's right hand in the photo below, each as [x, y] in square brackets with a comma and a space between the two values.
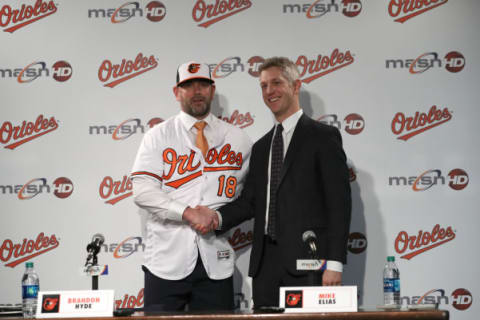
[202, 219]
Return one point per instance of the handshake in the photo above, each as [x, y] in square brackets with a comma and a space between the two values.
[202, 219]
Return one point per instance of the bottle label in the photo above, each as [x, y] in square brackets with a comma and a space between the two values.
[30, 291]
[396, 285]
[391, 285]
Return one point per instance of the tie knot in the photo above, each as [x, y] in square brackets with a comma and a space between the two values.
[200, 125]
[280, 127]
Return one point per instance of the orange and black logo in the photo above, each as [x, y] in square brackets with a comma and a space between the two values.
[193, 68]
[50, 303]
[293, 299]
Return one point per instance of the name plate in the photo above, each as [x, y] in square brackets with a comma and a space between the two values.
[74, 304]
[319, 299]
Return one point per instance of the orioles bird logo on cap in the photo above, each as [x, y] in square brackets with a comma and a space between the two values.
[194, 67]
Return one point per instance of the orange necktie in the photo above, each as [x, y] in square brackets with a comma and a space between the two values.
[201, 141]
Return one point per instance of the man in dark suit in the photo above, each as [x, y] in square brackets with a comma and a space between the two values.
[298, 181]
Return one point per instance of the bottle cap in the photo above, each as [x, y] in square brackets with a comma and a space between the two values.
[29, 264]
[391, 259]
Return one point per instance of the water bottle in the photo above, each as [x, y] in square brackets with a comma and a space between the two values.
[391, 283]
[30, 287]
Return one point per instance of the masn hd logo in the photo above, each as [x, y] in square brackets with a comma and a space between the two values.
[457, 180]
[125, 129]
[125, 248]
[353, 123]
[154, 11]
[62, 188]
[357, 243]
[319, 8]
[461, 299]
[453, 61]
[61, 71]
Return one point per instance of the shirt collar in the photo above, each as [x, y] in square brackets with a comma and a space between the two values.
[188, 121]
[291, 122]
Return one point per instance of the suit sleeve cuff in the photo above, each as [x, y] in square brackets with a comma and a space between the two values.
[219, 215]
[334, 266]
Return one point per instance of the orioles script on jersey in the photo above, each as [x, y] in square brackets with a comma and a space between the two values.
[225, 160]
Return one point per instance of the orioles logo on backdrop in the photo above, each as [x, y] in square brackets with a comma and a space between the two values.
[114, 74]
[13, 136]
[407, 127]
[206, 13]
[114, 191]
[312, 69]
[403, 10]
[14, 254]
[183, 165]
[13, 19]
[412, 245]
[130, 301]
[240, 239]
[238, 119]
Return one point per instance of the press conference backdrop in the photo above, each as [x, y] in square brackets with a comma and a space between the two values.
[82, 81]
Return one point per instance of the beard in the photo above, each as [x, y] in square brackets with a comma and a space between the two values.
[197, 109]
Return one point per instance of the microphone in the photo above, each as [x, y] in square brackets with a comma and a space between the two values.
[94, 247]
[97, 240]
[309, 237]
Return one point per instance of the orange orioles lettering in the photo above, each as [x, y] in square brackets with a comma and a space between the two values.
[224, 160]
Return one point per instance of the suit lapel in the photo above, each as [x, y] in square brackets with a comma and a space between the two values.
[292, 152]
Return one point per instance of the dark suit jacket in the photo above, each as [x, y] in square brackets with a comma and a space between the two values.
[313, 194]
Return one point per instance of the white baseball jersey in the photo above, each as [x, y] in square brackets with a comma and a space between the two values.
[169, 174]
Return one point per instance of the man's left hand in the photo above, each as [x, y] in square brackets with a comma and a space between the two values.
[331, 278]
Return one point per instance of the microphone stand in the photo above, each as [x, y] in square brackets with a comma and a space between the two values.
[93, 249]
[312, 273]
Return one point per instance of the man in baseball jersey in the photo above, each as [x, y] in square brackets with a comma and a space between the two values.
[191, 159]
